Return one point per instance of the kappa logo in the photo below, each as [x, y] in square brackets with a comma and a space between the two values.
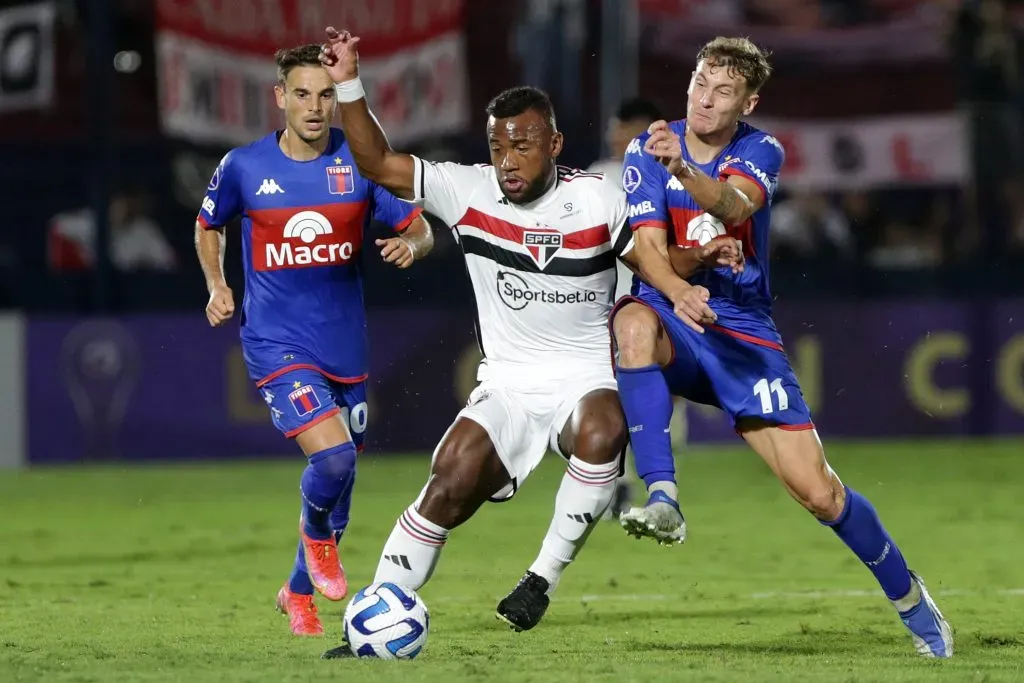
[542, 245]
[270, 186]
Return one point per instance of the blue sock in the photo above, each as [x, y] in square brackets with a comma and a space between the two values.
[323, 482]
[860, 528]
[340, 513]
[648, 407]
[299, 581]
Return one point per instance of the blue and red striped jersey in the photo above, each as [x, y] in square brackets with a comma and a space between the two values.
[303, 225]
[743, 302]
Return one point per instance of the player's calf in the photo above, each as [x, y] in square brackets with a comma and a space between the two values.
[596, 435]
[798, 460]
[465, 472]
[642, 349]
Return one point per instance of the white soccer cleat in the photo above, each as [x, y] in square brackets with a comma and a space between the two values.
[659, 519]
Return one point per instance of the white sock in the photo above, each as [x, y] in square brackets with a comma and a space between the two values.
[667, 487]
[411, 551]
[585, 493]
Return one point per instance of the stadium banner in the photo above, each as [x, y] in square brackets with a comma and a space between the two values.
[13, 418]
[909, 32]
[857, 154]
[170, 387]
[27, 56]
[216, 69]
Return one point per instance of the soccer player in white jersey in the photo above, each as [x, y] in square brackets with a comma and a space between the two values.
[540, 243]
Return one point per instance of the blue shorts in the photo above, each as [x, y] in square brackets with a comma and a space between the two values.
[746, 376]
[301, 398]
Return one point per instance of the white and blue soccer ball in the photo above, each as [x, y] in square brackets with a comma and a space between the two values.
[386, 621]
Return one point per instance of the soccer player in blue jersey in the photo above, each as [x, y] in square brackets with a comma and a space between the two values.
[305, 211]
[692, 181]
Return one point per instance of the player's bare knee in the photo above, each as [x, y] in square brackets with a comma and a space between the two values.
[824, 500]
[636, 335]
[446, 501]
[602, 441]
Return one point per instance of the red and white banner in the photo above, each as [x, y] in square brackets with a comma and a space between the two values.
[217, 71]
[926, 149]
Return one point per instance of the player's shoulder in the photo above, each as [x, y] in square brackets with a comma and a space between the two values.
[577, 181]
[757, 139]
[250, 153]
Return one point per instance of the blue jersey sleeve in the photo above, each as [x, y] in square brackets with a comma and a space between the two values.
[389, 209]
[223, 201]
[759, 158]
[643, 179]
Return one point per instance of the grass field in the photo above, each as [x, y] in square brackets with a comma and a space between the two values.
[169, 574]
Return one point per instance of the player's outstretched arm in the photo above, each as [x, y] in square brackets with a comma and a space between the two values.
[651, 253]
[210, 247]
[731, 201]
[370, 148]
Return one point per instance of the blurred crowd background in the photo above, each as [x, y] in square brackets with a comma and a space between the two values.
[901, 119]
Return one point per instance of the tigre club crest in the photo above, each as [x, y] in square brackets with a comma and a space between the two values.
[542, 245]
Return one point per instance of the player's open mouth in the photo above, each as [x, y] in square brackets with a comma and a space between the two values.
[513, 184]
[315, 124]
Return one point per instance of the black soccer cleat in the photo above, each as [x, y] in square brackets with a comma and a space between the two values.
[523, 608]
[340, 652]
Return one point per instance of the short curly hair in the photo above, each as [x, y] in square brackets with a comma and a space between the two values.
[290, 57]
[740, 54]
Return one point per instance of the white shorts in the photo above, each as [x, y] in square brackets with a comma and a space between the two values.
[523, 422]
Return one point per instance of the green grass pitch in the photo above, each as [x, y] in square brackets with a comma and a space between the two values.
[168, 573]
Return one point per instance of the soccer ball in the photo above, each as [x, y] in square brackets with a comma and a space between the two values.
[386, 621]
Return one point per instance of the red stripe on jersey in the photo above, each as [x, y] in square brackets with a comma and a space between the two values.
[205, 224]
[681, 217]
[407, 221]
[749, 338]
[649, 223]
[737, 172]
[307, 236]
[581, 239]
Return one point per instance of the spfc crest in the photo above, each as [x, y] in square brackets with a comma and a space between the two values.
[542, 245]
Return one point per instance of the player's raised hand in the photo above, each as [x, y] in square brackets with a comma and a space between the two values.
[691, 305]
[723, 251]
[397, 251]
[340, 56]
[221, 306]
[666, 147]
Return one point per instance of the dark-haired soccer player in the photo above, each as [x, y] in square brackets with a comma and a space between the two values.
[700, 179]
[305, 209]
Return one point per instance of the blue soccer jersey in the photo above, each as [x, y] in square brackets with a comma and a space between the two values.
[303, 225]
[656, 199]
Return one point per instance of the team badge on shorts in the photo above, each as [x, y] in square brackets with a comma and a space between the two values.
[304, 400]
[542, 245]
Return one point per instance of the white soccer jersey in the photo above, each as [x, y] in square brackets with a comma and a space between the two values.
[543, 273]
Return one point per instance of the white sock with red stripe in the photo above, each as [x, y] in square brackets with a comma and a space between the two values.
[586, 491]
[412, 551]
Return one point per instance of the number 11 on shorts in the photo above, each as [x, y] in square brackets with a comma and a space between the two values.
[763, 390]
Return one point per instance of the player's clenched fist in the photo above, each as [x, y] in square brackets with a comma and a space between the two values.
[666, 147]
[340, 56]
[397, 251]
[723, 251]
[691, 305]
[221, 305]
